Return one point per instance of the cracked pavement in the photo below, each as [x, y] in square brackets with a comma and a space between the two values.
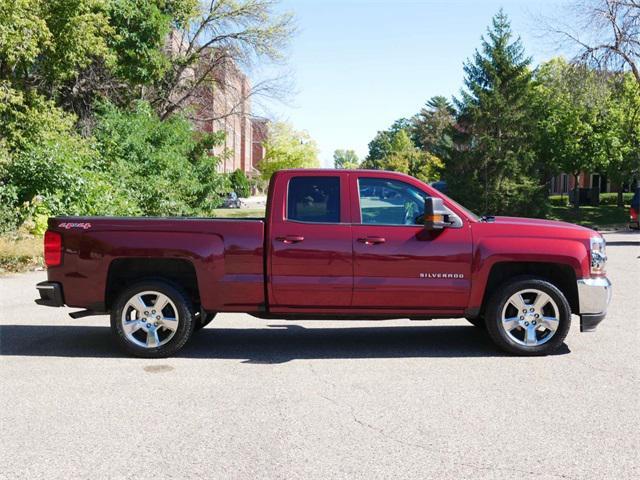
[250, 398]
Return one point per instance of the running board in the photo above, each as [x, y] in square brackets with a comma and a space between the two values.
[84, 313]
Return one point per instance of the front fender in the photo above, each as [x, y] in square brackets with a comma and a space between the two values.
[490, 251]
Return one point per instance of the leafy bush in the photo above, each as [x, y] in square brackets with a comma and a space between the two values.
[559, 200]
[162, 166]
[240, 184]
[612, 198]
[135, 165]
[605, 199]
[9, 211]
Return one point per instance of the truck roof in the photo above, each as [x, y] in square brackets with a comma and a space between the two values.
[339, 170]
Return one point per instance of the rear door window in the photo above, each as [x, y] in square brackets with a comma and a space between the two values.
[314, 199]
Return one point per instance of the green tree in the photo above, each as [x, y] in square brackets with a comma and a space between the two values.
[604, 34]
[220, 33]
[287, 148]
[345, 159]
[77, 132]
[382, 144]
[23, 35]
[140, 35]
[493, 167]
[394, 150]
[623, 148]
[432, 127]
[574, 126]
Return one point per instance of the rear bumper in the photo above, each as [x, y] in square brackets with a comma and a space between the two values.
[50, 294]
[594, 295]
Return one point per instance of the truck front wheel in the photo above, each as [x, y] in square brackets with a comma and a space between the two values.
[477, 322]
[152, 319]
[528, 317]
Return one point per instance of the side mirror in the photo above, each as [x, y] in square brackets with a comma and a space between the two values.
[435, 214]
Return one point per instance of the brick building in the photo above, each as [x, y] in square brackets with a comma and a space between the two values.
[565, 183]
[222, 103]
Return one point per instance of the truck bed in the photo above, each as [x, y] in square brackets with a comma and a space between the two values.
[226, 256]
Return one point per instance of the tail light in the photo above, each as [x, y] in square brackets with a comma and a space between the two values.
[52, 248]
[633, 214]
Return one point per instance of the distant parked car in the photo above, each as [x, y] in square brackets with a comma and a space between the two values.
[441, 186]
[232, 201]
[634, 222]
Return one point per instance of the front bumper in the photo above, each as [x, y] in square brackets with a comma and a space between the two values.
[50, 294]
[594, 295]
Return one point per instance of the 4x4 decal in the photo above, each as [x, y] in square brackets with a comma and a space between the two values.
[70, 225]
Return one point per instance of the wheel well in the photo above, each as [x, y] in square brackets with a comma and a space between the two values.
[126, 271]
[562, 276]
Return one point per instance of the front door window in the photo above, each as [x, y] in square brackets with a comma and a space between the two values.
[390, 202]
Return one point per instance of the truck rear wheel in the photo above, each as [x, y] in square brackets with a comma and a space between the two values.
[152, 319]
[528, 317]
[202, 321]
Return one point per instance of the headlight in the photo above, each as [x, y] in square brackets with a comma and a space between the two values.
[598, 255]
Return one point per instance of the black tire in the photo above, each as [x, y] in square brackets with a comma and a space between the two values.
[477, 322]
[498, 333]
[201, 322]
[183, 309]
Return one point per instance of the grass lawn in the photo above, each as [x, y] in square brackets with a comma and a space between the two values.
[19, 253]
[238, 212]
[603, 216]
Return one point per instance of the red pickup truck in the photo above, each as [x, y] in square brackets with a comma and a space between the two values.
[335, 244]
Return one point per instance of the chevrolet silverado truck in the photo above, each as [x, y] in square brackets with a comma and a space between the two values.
[334, 244]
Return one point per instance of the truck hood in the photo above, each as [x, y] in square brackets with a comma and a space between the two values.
[538, 222]
[532, 227]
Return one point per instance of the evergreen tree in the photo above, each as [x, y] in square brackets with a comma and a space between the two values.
[431, 129]
[492, 167]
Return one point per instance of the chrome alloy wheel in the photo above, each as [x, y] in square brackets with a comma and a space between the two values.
[530, 317]
[149, 319]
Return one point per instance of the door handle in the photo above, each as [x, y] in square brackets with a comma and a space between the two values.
[372, 240]
[289, 239]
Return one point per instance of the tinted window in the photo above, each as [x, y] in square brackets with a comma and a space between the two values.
[390, 202]
[314, 199]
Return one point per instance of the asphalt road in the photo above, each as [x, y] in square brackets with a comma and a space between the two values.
[317, 400]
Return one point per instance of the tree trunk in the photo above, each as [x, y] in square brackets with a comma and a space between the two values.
[576, 195]
[620, 202]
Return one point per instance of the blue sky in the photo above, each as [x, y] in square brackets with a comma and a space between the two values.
[358, 65]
